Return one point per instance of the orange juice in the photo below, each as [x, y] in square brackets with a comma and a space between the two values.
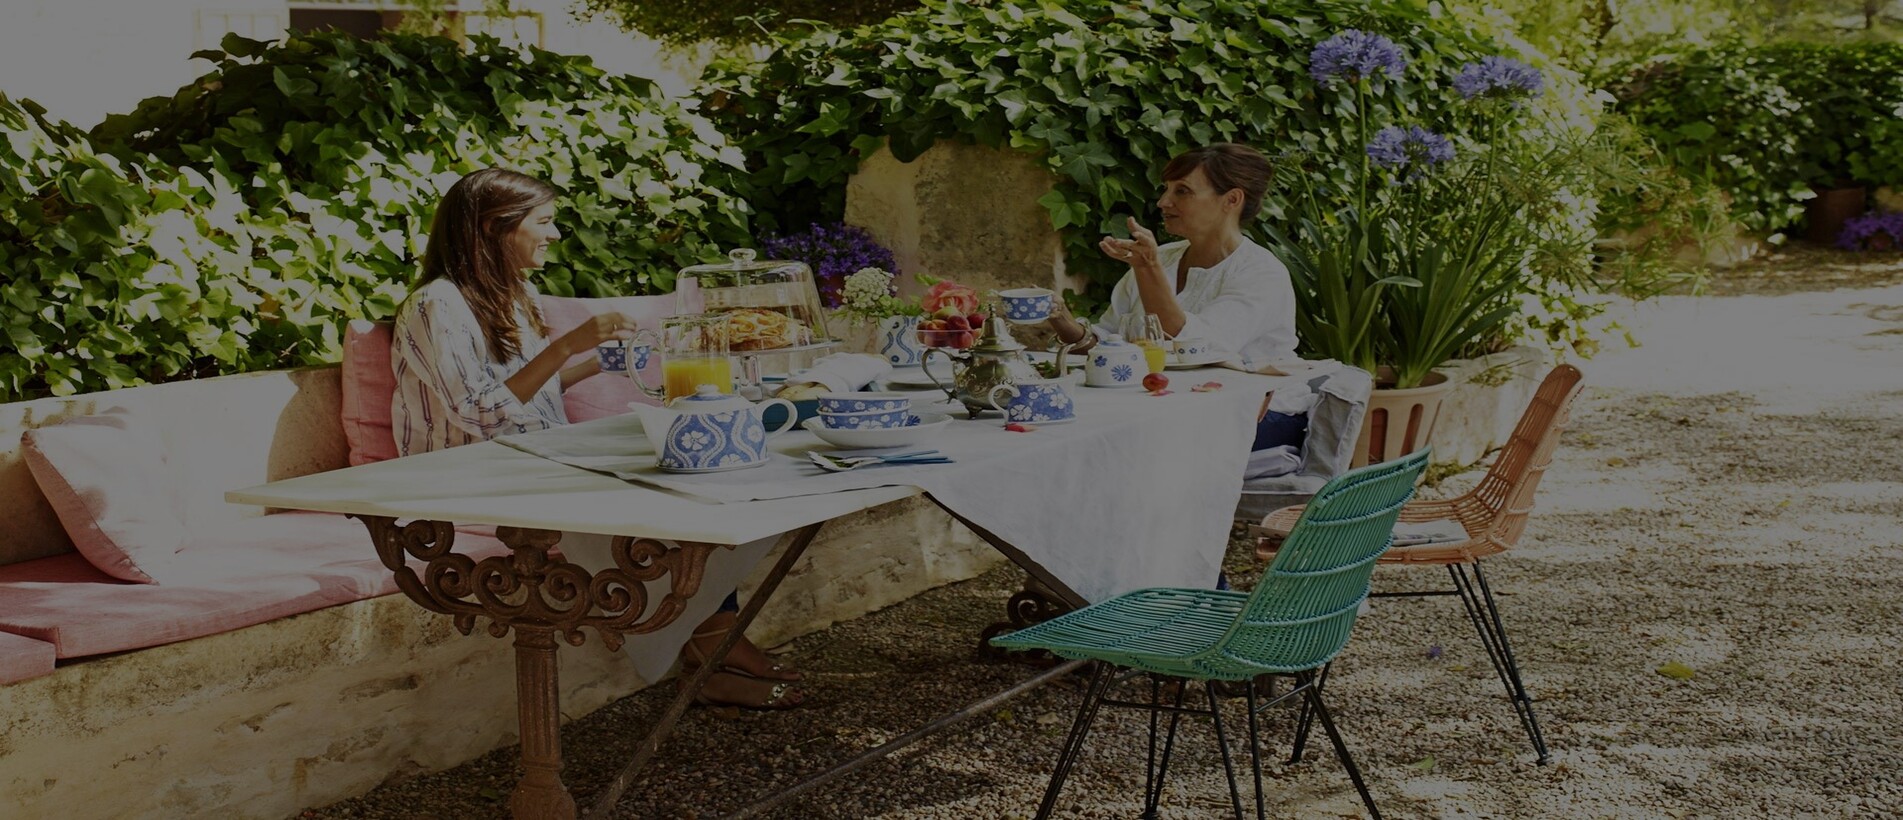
[1154, 355]
[680, 376]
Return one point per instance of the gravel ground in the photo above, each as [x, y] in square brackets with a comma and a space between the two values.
[1726, 501]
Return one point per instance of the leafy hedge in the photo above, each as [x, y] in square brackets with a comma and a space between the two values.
[1102, 92]
[238, 224]
[1767, 123]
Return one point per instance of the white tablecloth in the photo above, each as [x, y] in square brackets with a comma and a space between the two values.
[1137, 492]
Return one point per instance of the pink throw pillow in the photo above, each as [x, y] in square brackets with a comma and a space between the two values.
[105, 477]
[368, 386]
[608, 394]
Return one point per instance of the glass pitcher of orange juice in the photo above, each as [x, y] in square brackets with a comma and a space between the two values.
[693, 352]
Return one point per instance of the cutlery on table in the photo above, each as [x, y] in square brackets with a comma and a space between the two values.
[839, 464]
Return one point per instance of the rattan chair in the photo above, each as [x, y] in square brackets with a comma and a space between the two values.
[1494, 514]
[1294, 623]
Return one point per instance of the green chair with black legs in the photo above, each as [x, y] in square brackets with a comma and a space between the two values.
[1293, 623]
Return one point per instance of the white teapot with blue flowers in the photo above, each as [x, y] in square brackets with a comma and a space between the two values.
[710, 431]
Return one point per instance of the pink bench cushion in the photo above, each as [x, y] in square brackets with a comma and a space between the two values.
[245, 572]
[368, 385]
[22, 657]
[104, 475]
[609, 394]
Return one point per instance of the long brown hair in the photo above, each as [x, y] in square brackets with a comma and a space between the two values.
[1228, 165]
[469, 246]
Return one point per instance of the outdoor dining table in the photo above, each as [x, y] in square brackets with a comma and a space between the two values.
[1136, 492]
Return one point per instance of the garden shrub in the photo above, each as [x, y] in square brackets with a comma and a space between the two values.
[1767, 123]
[1103, 93]
[239, 223]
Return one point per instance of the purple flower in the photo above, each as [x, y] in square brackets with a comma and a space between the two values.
[1500, 78]
[1410, 150]
[833, 251]
[1354, 56]
[1873, 232]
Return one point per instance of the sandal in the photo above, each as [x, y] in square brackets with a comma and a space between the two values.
[734, 689]
[694, 655]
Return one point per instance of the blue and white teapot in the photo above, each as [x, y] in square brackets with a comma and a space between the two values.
[1114, 362]
[710, 431]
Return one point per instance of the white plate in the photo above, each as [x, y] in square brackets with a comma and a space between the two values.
[928, 424]
[1176, 362]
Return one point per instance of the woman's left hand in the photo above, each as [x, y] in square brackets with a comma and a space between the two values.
[597, 329]
[1139, 251]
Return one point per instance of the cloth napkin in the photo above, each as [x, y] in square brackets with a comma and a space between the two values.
[842, 372]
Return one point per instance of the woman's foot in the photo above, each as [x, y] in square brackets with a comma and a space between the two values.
[730, 689]
[744, 657]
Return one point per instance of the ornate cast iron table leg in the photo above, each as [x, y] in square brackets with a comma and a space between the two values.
[540, 598]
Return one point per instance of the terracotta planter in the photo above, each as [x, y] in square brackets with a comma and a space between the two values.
[1399, 421]
[1824, 217]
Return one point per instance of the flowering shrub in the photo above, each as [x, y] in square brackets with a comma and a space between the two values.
[834, 252]
[1873, 232]
[1425, 250]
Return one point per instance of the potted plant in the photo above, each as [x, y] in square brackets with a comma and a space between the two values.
[1418, 251]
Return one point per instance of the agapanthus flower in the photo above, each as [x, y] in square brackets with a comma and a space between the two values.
[1412, 149]
[1355, 55]
[1499, 78]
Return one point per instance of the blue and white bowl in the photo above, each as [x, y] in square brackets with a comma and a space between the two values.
[864, 402]
[1026, 306]
[877, 419]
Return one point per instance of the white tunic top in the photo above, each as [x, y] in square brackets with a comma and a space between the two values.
[1244, 305]
[449, 391]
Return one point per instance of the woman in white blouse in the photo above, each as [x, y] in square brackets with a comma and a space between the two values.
[473, 361]
[1215, 283]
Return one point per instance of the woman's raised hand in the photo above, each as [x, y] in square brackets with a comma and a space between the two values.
[1139, 251]
[597, 329]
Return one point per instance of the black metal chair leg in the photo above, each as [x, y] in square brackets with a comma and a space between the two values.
[1153, 788]
[1222, 742]
[1314, 698]
[1510, 672]
[1255, 754]
[1306, 720]
[1074, 744]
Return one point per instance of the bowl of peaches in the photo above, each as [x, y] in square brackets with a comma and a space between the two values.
[950, 329]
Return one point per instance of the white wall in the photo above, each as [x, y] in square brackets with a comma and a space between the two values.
[84, 59]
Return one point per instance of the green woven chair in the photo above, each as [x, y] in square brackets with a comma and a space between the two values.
[1294, 623]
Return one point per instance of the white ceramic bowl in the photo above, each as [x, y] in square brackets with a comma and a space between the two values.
[868, 439]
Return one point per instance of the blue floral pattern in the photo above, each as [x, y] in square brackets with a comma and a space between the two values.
[1122, 372]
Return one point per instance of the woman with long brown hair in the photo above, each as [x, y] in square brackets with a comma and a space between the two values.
[473, 361]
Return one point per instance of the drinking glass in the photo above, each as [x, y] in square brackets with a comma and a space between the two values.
[1146, 331]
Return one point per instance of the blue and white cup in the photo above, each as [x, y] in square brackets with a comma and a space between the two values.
[1026, 306]
[613, 356]
[872, 420]
[1035, 400]
[1192, 348]
[864, 402]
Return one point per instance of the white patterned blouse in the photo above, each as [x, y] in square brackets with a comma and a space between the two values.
[449, 390]
[1244, 305]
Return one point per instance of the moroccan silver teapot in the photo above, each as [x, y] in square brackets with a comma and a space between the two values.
[996, 359]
